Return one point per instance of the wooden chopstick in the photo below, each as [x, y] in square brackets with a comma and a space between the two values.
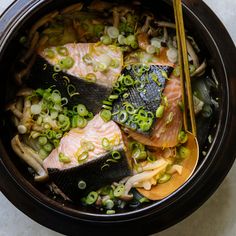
[184, 67]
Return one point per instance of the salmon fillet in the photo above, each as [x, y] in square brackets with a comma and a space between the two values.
[72, 143]
[166, 129]
[98, 53]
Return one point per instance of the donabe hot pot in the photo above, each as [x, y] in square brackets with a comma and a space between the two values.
[35, 201]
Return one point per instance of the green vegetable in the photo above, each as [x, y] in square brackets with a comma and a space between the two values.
[164, 178]
[105, 115]
[63, 158]
[119, 190]
[110, 212]
[66, 63]
[106, 144]
[57, 68]
[82, 184]
[109, 204]
[160, 111]
[123, 116]
[182, 137]
[82, 110]
[91, 198]
[43, 153]
[116, 155]
[49, 53]
[48, 147]
[42, 140]
[184, 152]
[83, 156]
[63, 51]
[105, 39]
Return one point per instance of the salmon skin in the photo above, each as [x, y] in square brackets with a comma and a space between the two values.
[94, 173]
[82, 83]
[98, 168]
[146, 93]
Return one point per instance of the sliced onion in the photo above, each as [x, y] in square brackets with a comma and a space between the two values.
[150, 49]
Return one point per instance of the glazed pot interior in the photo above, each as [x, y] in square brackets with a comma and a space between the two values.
[8, 65]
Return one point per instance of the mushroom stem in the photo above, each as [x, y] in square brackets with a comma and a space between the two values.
[200, 70]
[166, 24]
[192, 54]
[30, 157]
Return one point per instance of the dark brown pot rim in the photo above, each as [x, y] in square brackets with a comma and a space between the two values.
[169, 210]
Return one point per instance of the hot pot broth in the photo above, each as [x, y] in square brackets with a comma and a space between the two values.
[99, 104]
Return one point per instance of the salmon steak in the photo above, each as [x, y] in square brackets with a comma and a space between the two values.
[94, 155]
[82, 72]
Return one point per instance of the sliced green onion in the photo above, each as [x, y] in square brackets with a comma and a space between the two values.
[107, 107]
[113, 97]
[48, 147]
[105, 115]
[82, 110]
[83, 156]
[56, 97]
[71, 90]
[123, 116]
[49, 53]
[57, 68]
[91, 77]
[182, 137]
[164, 178]
[87, 59]
[130, 39]
[56, 142]
[43, 153]
[63, 158]
[184, 152]
[119, 190]
[160, 111]
[107, 103]
[128, 81]
[82, 185]
[63, 51]
[109, 204]
[169, 118]
[110, 212]
[42, 140]
[130, 108]
[126, 95]
[112, 32]
[105, 39]
[121, 39]
[114, 63]
[176, 71]
[66, 63]
[143, 199]
[36, 109]
[90, 115]
[91, 198]
[116, 155]
[81, 122]
[106, 144]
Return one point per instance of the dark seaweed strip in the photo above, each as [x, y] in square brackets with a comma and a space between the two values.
[92, 174]
[90, 94]
[149, 97]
